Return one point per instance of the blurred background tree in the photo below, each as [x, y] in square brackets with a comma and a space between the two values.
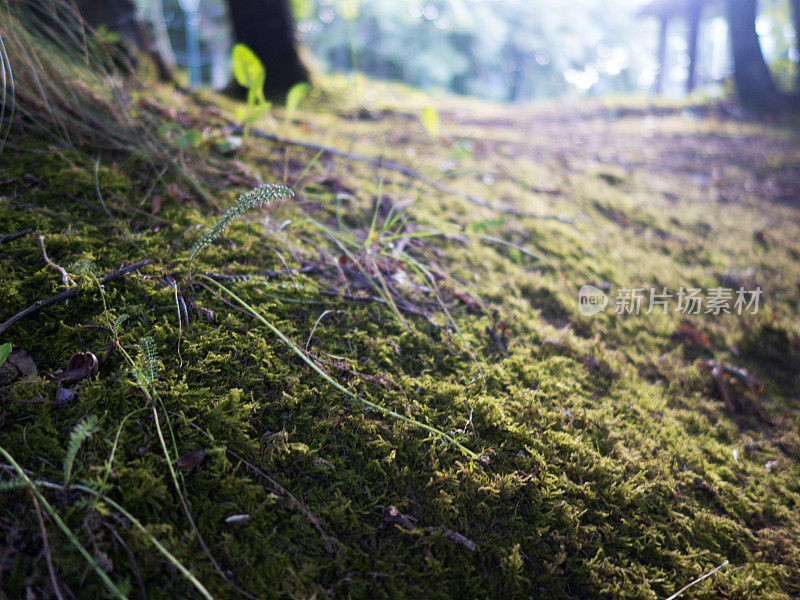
[503, 50]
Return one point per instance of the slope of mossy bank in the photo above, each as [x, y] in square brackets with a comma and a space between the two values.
[612, 467]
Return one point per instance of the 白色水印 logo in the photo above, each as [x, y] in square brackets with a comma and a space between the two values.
[591, 300]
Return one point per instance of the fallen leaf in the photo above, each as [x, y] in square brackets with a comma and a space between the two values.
[176, 193]
[190, 460]
[5, 350]
[686, 332]
[82, 365]
[17, 365]
[64, 396]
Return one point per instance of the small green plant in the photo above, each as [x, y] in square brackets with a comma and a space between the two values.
[430, 121]
[191, 138]
[249, 72]
[294, 97]
[149, 358]
[121, 591]
[263, 195]
[267, 194]
[144, 372]
[33, 486]
[80, 433]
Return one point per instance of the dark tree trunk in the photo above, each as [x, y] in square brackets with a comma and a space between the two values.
[662, 55]
[120, 16]
[267, 27]
[695, 8]
[754, 84]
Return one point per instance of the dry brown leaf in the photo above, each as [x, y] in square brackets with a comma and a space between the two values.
[176, 193]
[82, 365]
[64, 396]
[686, 332]
[19, 364]
[190, 460]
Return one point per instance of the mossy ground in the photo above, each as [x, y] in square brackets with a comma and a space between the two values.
[613, 468]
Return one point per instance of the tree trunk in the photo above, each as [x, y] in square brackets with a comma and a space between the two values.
[267, 27]
[695, 8]
[661, 76]
[156, 17]
[754, 84]
[120, 16]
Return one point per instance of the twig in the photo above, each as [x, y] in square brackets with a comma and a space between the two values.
[308, 269]
[455, 537]
[46, 547]
[396, 167]
[65, 278]
[696, 581]
[224, 301]
[70, 293]
[736, 372]
[12, 236]
[403, 307]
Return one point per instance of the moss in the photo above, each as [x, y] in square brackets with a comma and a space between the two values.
[612, 467]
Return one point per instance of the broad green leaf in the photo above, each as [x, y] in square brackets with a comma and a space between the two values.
[5, 350]
[191, 138]
[294, 97]
[430, 121]
[302, 9]
[248, 70]
[257, 112]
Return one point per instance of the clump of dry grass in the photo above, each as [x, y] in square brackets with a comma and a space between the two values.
[60, 79]
[63, 80]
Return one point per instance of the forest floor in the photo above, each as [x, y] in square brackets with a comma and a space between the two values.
[615, 455]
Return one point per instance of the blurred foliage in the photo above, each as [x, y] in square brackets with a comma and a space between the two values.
[512, 50]
[776, 31]
[506, 50]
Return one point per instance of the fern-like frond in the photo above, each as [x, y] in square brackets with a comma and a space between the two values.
[263, 195]
[117, 322]
[149, 357]
[80, 433]
[85, 266]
